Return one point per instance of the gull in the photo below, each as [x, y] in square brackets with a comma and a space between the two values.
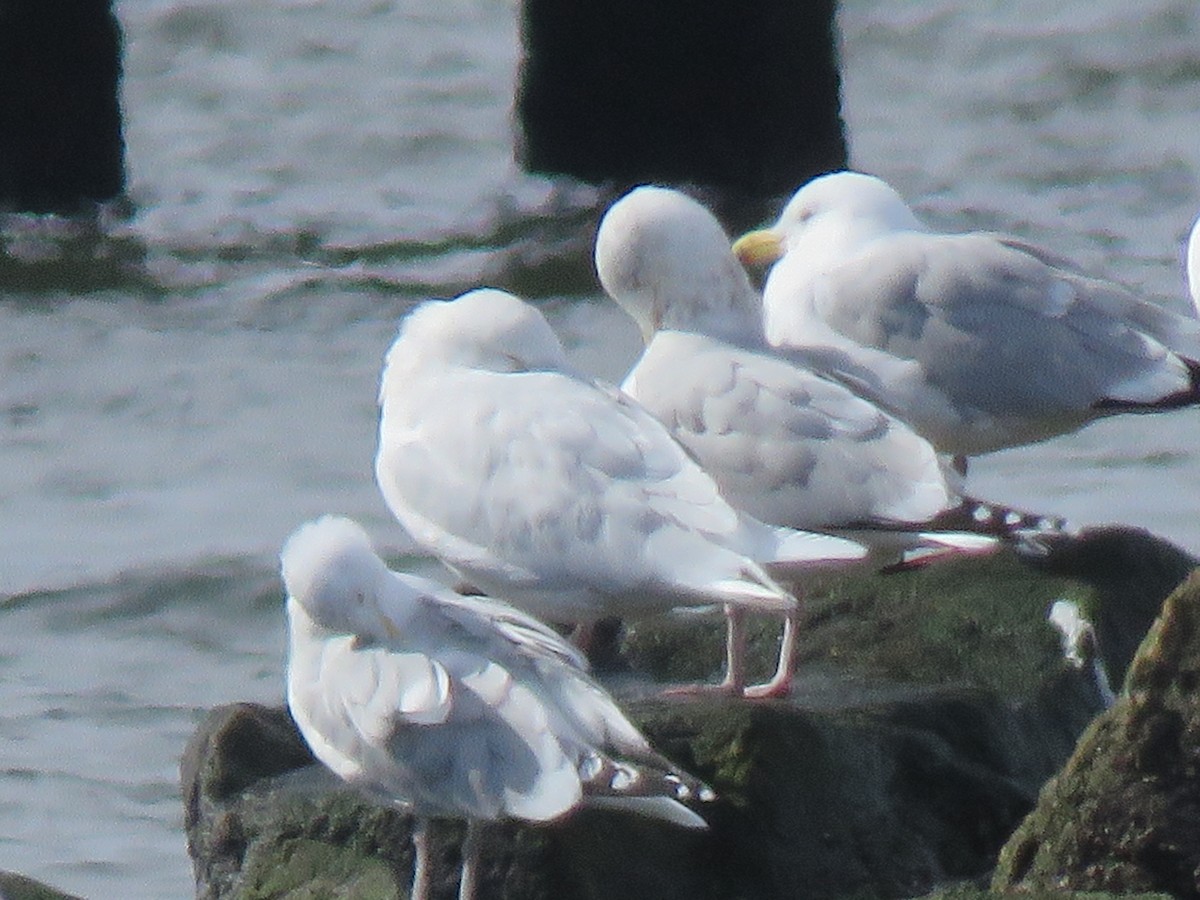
[783, 443]
[452, 706]
[979, 341]
[560, 494]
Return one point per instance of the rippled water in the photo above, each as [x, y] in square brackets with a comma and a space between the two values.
[180, 387]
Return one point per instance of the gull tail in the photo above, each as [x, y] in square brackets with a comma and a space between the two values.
[1005, 522]
[1187, 396]
[654, 808]
[941, 546]
[729, 576]
[754, 590]
[785, 553]
[653, 788]
[1192, 396]
[972, 528]
[787, 550]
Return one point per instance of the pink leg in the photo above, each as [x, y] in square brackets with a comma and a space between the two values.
[734, 682]
[468, 886]
[422, 877]
[780, 684]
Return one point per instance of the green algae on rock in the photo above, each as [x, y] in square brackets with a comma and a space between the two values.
[302, 833]
[929, 709]
[20, 887]
[979, 622]
[1124, 814]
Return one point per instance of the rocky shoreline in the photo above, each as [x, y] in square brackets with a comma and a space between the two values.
[937, 741]
[930, 711]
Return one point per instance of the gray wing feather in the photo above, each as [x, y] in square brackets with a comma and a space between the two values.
[994, 325]
[785, 444]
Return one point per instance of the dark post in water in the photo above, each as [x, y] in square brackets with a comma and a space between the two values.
[740, 97]
[61, 144]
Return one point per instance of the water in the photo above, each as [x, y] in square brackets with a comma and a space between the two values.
[191, 382]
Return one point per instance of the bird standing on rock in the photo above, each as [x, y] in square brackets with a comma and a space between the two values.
[783, 443]
[562, 495]
[452, 706]
[979, 341]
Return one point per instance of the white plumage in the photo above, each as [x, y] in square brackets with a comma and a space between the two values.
[453, 706]
[1193, 266]
[783, 443]
[558, 493]
[978, 341]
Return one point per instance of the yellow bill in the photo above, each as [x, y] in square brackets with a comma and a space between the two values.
[759, 248]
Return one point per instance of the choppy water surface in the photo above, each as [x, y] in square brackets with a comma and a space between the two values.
[180, 387]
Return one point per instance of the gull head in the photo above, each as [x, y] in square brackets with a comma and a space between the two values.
[832, 214]
[847, 195]
[482, 329]
[665, 259]
[331, 570]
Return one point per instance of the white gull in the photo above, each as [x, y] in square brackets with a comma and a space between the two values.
[451, 706]
[978, 341]
[559, 493]
[783, 443]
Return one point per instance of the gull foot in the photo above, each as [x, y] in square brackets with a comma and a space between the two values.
[721, 689]
[771, 690]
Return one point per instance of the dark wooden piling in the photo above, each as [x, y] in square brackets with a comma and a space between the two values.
[741, 98]
[61, 144]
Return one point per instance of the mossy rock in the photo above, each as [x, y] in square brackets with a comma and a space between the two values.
[929, 710]
[308, 869]
[1124, 814]
[20, 887]
[979, 622]
[974, 893]
[886, 797]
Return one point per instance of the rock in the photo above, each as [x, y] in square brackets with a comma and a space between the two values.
[741, 98]
[930, 709]
[1129, 570]
[1124, 814]
[959, 892]
[298, 832]
[18, 887]
[61, 144]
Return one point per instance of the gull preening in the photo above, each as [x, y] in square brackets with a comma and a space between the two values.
[783, 443]
[452, 706]
[979, 341]
[559, 493]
